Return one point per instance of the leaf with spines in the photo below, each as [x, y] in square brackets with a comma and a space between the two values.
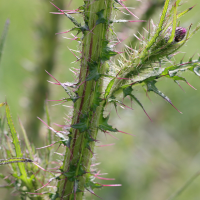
[96, 100]
[104, 126]
[93, 69]
[128, 92]
[82, 124]
[16, 143]
[192, 65]
[101, 19]
[107, 52]
[151, 87]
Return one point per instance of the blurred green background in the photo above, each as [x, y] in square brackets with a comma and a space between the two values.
[161, 156]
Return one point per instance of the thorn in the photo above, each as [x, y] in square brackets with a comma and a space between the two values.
[107, 179]
[148, 96]
[127, 9]
[137, 37]
[125, 133]
[41, 167]
[53, 83]
[46, 146]
[73, 53]
[173, 106]
[64, 32]
[180, 86]
[191, 86]
[105, 145]
[111, 135]
[117, 112]
[45, 184]
[60, 154]
[112, 185]
[52, 77]
[57, 7]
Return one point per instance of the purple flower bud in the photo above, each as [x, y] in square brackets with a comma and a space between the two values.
[180, 33]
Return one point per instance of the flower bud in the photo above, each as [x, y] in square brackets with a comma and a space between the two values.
[180, 33]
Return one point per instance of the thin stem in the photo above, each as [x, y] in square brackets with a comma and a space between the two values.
[184, 187]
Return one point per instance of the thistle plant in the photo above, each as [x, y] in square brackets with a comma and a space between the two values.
[101, 81]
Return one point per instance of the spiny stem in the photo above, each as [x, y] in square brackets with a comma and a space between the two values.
[79, 157]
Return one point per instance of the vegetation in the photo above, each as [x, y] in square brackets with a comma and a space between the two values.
[105, 80]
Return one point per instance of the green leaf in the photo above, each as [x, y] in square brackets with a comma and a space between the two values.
[107, 52]
[71, 173]
[89, 185]
[93, 69]
[101, 19]
[54, 196]
[92, 185]
[197, 70]
[109, 86]
[114, 101]
[73, 97]
[174, 69]
[28, 145]
[73, 20]
[127, 91]
[104, 126]
[14, 134]
[64, 140]
[96, 99]
[82, 125]
[171, 39]
[151, 87]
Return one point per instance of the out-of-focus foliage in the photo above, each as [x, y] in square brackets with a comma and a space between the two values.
[162, 155]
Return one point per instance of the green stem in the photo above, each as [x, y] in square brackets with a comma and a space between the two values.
[80, 154]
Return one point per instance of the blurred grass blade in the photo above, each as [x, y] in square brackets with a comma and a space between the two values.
[17, 147]
[13, 133]
[184, 187]
[9, 155]
[3, 37]
[28, 145]
[50, 139]
[50, 136]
